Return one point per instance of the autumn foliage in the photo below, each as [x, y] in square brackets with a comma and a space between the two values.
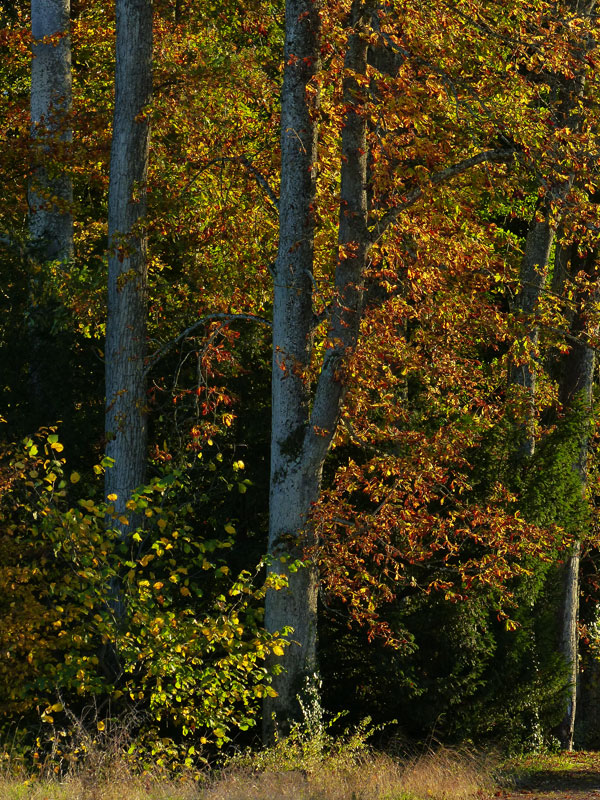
[443, 478]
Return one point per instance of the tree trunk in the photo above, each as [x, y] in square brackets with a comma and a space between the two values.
[50, 193]
[291, 492]
[564, 95]
[534, 270]
[50, 190]
[576, 385]
[125, 424]
[301, 440]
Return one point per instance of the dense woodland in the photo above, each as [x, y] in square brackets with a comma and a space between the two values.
[299, 313]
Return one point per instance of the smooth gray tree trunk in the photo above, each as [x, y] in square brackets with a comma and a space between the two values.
[301, 435]
[50, 191]
[125, 352]
[292, 491]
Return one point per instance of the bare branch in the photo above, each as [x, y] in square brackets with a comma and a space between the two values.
[166, 348]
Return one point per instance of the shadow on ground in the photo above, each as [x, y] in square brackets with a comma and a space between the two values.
[568, 780]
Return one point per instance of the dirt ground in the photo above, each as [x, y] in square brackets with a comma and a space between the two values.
[568, 776]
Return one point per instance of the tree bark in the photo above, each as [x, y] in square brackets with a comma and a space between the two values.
[50, 191]
[565, 93]
[125, 423]
[576, 386]
[291, 490]
[301, 438]
[534, 270]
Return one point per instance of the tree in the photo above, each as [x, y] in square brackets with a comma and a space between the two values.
[561, 170]
[51, 190]
[371, 202]
[305, 419]
[50, 194]
[294, 482]
[576, 393]
[125, 352]
[556, 169]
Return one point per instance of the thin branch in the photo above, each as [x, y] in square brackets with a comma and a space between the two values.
[166, 348]
[262, 181]
[498, 156]
[247, 164]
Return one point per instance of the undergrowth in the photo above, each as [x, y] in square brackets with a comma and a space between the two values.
[309, 764]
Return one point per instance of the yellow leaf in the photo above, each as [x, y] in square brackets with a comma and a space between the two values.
[112, 497]
[162, 524]
[229, 528]
[57, 446]
[278, 650]
[57, 707]
[100, 725]
[75, 477]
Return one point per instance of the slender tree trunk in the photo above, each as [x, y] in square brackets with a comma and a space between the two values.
[576, 386]
[126, 429]
[534, 270]
[569, 643]
[578, 367]
[301, 439]
[50, 194]
[50, 190]
[564, 95]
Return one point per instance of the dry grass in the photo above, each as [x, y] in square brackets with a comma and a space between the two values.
[85, 788]
[372, 778]
[448, 775]
[443, 775]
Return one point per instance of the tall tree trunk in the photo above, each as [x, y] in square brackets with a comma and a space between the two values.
[50, 190]
[290, 493]
[534, 270]
[50, 194]
[564, 95]
[576, 386]
[125, 424]
[301, 438]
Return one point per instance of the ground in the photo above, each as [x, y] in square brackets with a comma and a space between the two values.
[567, 776]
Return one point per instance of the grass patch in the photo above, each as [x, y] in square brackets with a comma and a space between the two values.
[292, 770]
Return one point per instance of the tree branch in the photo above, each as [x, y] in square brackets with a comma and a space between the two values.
[498, 156]
[166, 348]
[247, 164]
